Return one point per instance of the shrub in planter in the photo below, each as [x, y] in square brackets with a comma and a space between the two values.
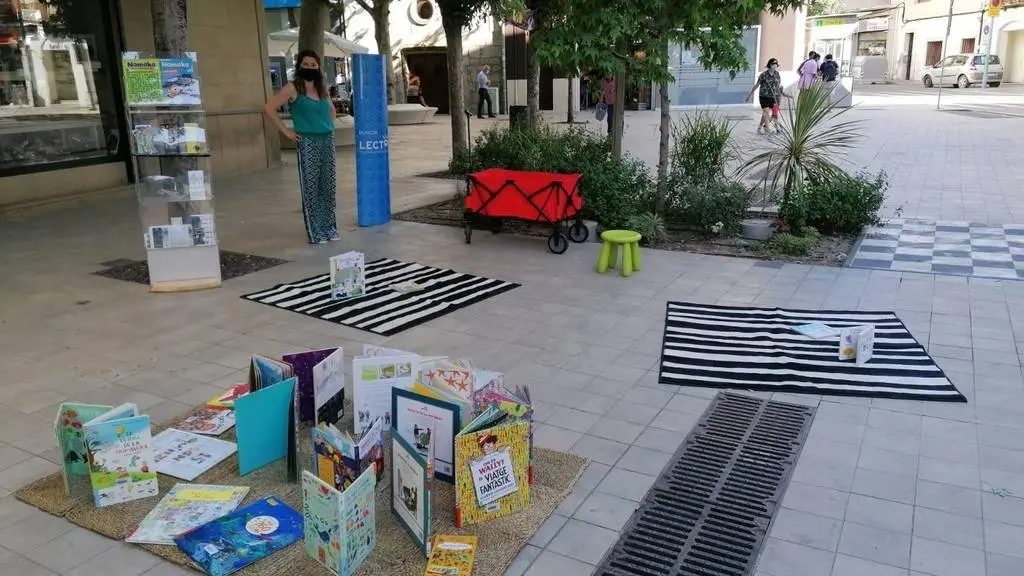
[716, 209]
[838, 203]
[651, 228]
[794, 245]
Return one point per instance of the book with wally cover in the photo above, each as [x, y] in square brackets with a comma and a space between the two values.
[341, 527]
[323, 367]
[514, 402]
[265, 428]
[226, 399]
[451, 556]
[185, 507]
[232, 542]
[411, 476]
[264, 372]
[492, 463]
[70, 432]
[338, 459]
[120, 454]
[426, 424]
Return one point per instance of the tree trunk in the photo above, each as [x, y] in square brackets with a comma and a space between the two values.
[456, 85]
[170, 26]
[314, 18]
[532, 86]
[382, 33]
[619, 108]
[569, 116]
[663, 144]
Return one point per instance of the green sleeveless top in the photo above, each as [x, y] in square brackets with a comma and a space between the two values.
[311, 117]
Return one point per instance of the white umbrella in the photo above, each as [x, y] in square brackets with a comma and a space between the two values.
[286, 42]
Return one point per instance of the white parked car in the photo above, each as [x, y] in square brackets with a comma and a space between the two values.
[962, 70]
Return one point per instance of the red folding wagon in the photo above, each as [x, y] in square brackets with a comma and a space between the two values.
[496, 195]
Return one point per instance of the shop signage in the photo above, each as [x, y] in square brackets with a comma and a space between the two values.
[373, 161]
[161, 81]
[841, 21]
[995, 7]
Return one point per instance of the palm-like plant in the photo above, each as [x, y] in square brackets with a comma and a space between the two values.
[808, 139]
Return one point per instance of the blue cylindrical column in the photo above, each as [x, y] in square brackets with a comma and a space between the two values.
[373, 167]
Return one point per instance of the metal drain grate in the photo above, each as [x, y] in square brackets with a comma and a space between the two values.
[709, 512]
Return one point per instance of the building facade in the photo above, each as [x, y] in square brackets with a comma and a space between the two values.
[63, 126]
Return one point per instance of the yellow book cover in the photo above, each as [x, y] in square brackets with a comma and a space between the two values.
[492, 473]
[451, 556]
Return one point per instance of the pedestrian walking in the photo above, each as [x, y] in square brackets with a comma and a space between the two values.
[608, 99]
[769, 93]
[313, 133]
[808, 70]
[483, 83]
[414, 93]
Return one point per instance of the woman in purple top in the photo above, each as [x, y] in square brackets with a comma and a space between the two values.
[808, 71]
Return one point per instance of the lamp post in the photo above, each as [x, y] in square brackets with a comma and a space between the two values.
[945, 46]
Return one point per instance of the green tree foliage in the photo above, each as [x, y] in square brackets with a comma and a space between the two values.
[822, 7]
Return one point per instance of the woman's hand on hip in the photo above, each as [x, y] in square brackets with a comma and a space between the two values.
[291, 135]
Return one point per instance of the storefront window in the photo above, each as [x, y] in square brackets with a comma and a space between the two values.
[59, 85]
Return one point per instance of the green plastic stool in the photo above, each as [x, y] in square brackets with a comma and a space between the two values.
[611, 240]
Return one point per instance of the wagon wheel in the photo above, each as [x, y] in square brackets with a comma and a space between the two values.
[558, 242]
[578, 232]
[497, 226]
[468, 228]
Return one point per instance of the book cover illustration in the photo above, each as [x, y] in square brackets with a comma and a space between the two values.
[232, 542]
[452, 555]
[492, 471]
[348, 277]
[185, 507]
[70, 433]
[340, 527]
[186, 455]
[410, 491]
[226, 399]
[454, 377]
[209, 421]
[338, 459]
[264, 372]
[121, 463]
[372, 380]
[329, 389]
[265, 428]
[515, 402]
[302, 364]
[427, 423]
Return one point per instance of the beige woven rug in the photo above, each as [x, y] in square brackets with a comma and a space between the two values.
[555, 473]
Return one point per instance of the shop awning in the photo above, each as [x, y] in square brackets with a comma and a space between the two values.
[280, 4]
[285, 42]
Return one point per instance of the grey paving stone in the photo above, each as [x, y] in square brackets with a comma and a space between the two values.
[1004, 539]
[836, 431]
[873, 458]
[781, 558]
[894, 421]
[1001, 459]
[626, 484]
[895, 441]
[951, 528]
[945, 472]
[649, 397]
[961, 432]
[853, 566]
[617, 430]
[825, 474]
[806, 529]
[938, 448]
[952, 499]
[943, 559]
[32, 532]
[816, 500]
[658, 439]
[584, 541]
[885, 486]
[599, 449]
[688, 404]
[548, 563]
[644, 460]
[886, 514]
[69, 550]
[835, 412]
[632, 412]
[875, 544]
[167, 569]
[21, 566]
[554, 438]
[121, 559]
[1003, 508]
[999, 565]
[548, 530]
[605, 510]
[675, 421]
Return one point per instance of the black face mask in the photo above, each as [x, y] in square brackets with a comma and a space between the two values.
[310, 74]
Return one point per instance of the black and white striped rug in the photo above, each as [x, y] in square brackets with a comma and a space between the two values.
[756, 349]
[382, 310]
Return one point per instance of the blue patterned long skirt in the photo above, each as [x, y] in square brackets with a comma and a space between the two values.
[317, 180]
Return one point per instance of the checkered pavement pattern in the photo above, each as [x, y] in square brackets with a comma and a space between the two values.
[943, 247]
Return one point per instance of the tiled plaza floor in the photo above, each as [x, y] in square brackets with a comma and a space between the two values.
[882, 487]
[944, 247]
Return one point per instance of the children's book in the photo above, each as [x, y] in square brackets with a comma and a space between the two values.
[513, 401]
[264, 372]
[209, 421]
[120, 454]
[451, 556]
[857, 343]
[411, 475]
[341, 527]
[816, 331]
[338, 459]
[427, 423]
[453, 377]
[186, 455]
[185, 507]
[492, 463]
[68, 428]
[226, 399]
[348, 275]
[265, 428]
[321, 384]
[373, 377]
[232, 542]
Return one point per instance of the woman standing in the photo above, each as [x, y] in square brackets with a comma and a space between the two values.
[313, 133]
[770, 84]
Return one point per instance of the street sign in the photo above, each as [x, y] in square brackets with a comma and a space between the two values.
[995, 7]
